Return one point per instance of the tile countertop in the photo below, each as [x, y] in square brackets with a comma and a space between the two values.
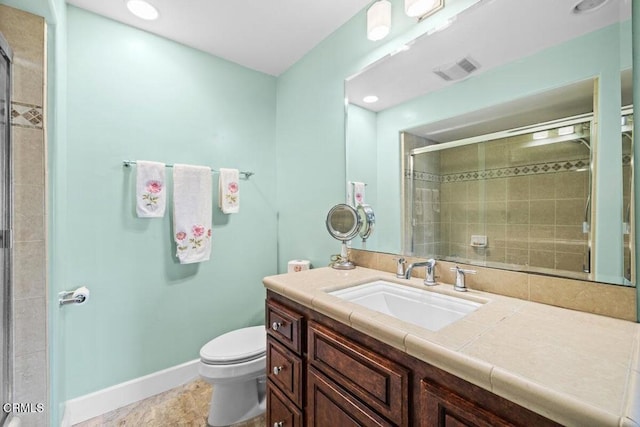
[572, 367]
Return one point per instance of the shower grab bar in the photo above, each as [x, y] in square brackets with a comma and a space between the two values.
[128, 163]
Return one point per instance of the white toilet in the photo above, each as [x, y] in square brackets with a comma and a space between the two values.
[235, 364]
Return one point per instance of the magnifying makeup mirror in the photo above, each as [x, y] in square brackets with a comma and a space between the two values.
[343, 223]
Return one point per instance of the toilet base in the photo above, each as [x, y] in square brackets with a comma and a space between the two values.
[237, 402]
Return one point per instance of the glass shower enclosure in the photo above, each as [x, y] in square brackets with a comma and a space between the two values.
[6, 357]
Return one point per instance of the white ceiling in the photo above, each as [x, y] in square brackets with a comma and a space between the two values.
[493, 32]
[263, 35]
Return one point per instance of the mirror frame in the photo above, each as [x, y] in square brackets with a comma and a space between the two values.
[353, 231]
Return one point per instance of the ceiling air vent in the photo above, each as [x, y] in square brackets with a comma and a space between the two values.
[458, 70]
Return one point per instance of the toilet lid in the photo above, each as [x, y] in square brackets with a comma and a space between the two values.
[236, 346]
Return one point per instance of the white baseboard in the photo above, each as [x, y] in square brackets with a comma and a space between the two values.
[102, 401]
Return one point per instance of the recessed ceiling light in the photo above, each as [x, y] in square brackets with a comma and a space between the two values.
[142, 9]
[588, 5]
[370, 99]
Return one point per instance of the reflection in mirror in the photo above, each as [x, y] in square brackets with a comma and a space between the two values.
[368, 219]
[627, 192]
[567, 75]
[517, 199]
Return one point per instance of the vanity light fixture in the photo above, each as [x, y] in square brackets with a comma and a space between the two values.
[379, 20]
[370, 99]
[142, 9]
[422, 8]
[541, 135]
[566, 130]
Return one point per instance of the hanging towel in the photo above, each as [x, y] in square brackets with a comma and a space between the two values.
[358, 193]
[151, 197]
[417, 202]
[192, 201]
[229, 191]
[435, 200]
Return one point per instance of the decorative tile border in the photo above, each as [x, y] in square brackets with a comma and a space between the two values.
[26, 115]
[535, 169]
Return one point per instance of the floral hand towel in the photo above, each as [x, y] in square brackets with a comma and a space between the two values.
[229, 192]
[192, 201]
[358, 193]
[151, 197]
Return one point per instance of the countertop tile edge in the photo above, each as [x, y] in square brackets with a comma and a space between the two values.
[547, 402]
[632, 407]
[470, 369]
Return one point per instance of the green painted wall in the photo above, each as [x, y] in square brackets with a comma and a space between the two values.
[310, 129]
[361, 131]
[133, 95]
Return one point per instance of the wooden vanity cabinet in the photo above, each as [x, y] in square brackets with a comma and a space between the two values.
[285, 365]
[332, 375]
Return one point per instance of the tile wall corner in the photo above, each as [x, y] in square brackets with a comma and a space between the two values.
[25, 34]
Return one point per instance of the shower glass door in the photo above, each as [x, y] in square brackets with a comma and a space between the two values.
[5, 217]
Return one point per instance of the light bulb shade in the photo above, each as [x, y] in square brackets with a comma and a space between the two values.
[379, 20]
[417, 8]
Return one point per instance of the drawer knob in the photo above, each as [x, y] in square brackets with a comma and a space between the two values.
[278, 424]
[276, 370]
[276, 325]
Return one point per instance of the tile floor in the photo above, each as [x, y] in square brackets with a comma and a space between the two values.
[185, 406]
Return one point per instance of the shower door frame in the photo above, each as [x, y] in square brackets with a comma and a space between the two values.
[6, 193]
[408, 199]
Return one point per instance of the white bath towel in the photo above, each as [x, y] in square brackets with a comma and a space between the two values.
[358, 193]
[151, 196]
[229, 191]
[417, 202]
[435, 200]
[192, 202]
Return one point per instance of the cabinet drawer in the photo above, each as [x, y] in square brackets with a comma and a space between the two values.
[440, 407]
[329, 405]
[377, 381]
[285, 325]
[284, 369]
[280, 411]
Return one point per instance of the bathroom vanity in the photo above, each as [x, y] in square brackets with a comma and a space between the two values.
[334, 362]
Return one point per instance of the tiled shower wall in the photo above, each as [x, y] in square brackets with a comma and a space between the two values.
[529, 201]
[26, 36]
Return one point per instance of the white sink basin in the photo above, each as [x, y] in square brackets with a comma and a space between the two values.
[423, 308]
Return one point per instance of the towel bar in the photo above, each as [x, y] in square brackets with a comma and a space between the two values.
[128, 163]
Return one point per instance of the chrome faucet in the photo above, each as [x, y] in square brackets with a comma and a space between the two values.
[430, 265]
[400, 268]
[460, 274]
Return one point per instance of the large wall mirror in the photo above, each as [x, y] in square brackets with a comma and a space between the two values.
[503, 137]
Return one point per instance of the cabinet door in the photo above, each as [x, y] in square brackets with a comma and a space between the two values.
[441, 407]
[375, 380]
[284, 369]
[280, 411]
[328, 405]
